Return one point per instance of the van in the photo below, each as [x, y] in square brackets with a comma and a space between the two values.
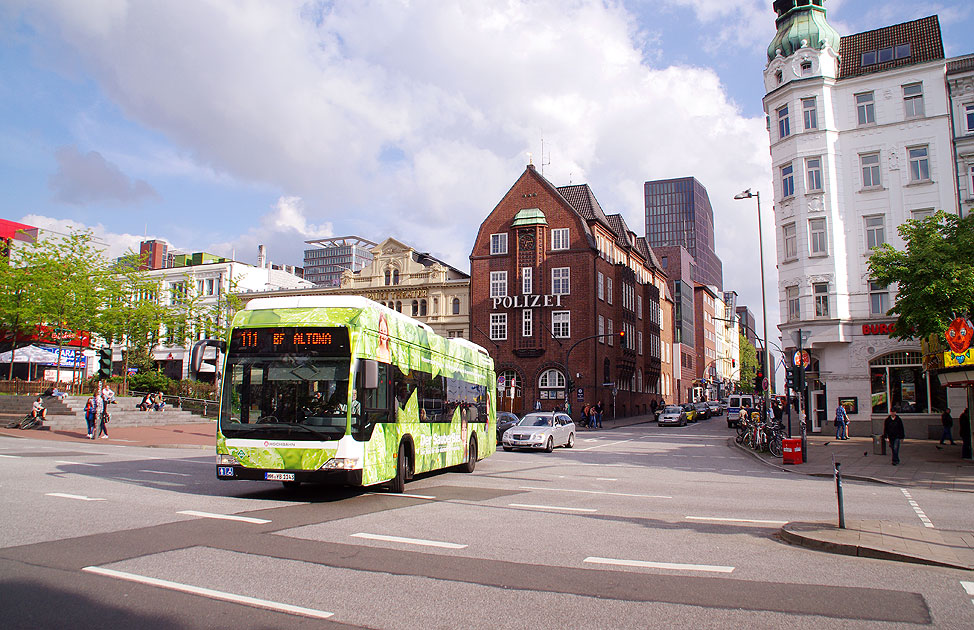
[734, 405]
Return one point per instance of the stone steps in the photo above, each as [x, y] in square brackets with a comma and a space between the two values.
[124, 414]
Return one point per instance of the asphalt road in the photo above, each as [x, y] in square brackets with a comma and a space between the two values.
[638, 527]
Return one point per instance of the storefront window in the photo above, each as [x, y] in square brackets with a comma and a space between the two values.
[899, 382]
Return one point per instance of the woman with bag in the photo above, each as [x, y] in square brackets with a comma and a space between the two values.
[91, 415]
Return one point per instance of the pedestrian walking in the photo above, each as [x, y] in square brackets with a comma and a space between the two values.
[948, 423]
[894, 432]
[598, 415]
[91, 414]
[107, 397]
[537, 405]
[583, 421]
[841, 422]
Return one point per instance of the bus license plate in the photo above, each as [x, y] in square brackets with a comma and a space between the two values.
[224, 471]
[279, 476]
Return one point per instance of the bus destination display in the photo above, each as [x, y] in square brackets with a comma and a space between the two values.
[290, 340]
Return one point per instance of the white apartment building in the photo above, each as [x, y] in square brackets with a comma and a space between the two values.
[861, 141]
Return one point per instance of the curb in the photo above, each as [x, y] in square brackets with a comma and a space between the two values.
[853, 477]
[849, 549]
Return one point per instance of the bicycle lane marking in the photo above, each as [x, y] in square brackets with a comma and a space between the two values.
[916, 508]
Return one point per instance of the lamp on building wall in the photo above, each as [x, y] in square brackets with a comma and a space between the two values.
[747, 194]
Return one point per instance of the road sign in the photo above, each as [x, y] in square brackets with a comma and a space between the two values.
[580, 394]
[802, 359]
[766, 383]
[500, 383]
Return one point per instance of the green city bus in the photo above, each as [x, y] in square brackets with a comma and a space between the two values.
[342, 389]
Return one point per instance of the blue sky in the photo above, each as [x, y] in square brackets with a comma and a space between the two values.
[219, 126]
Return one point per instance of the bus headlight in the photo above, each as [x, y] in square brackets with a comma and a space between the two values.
[340, 463]
[226, 460]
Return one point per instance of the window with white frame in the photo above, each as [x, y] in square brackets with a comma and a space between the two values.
[919, 215]
[821, 291]
[813, 174]
[787, 181]
[600, 285]
[810, 113]
[919, 164]
[608, 332]
[818, 240]
[527, 323]
[498, 326]
[608, 290]
[870, 170]
[794, 308]
[560, 281]
[498, 284]
[875, 231]
[806, 68]
[561, 324]
[639, 341]
[498, 244]
[552, 384]
[559, 238]
[865, 108]
[913, 100]
[790, 239]
[527, 280]
[878, 298]
[639, 306]
[784, 122]
[970, 182]
[601, 329]
[969, 117]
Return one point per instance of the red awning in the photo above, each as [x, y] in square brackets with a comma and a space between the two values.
[17, 231]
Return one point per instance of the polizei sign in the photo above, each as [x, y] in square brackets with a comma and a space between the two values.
[526, 301]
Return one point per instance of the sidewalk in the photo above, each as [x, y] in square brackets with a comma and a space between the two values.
[201, 435]
[922, 463]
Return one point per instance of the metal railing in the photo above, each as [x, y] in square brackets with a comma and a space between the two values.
[200, 406]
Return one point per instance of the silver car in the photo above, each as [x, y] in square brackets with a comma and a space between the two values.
[672, 414]
[541, 430]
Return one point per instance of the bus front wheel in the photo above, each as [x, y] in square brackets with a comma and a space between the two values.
[471, 462]
[398, 483]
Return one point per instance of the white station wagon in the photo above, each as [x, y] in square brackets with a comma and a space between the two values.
[541, 430]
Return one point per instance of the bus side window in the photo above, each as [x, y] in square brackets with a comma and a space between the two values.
[374, 403]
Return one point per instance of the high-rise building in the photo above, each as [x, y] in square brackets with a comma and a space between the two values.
[325, 263]
[860, 143]
[678, 214]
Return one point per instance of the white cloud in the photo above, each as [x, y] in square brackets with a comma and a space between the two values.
[88, 178]
[413, 119]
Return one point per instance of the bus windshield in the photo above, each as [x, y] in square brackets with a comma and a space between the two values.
[292, 396]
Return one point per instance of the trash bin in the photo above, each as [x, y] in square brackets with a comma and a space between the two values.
[879, 445]
[791, 451]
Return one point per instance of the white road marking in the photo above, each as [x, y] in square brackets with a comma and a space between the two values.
[916, 508]
[64, 461]
[163, 472]
[609, 444]
[605, 479]
[614, 494]
[212, 594]
[969, 587]
[734, 520]
[402, 494]
[551, 507]
[79, 497]
[660, 565]
[409, 541]
[225, 517]
[11, 456]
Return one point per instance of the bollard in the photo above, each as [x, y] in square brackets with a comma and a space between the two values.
[838, 491]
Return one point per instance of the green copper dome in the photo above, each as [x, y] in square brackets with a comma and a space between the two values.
[801, 20]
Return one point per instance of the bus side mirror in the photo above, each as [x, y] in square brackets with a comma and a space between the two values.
[371, 373]
[199, 349]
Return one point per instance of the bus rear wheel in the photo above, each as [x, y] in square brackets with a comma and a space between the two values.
[398, 483]
[471, 462]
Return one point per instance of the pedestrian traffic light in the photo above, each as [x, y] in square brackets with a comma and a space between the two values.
[792, 374]
[105, 363]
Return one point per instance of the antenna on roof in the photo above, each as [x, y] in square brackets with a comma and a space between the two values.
[543, 163]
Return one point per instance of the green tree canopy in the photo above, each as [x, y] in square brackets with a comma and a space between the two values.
[749, 364]
[935, 274]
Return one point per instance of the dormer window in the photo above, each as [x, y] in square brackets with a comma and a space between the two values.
[902, 51]
[869, 58]
[885, 54]
[806, 68]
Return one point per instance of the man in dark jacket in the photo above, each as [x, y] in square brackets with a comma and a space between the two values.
[894, 432]
[948, 422]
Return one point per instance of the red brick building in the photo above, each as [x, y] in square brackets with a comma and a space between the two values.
[554, 281]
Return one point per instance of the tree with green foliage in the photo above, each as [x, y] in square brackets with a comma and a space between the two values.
[748, 357]
[20, 312]
[935, 274]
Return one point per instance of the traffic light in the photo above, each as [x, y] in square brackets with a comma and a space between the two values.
[733, 363]
[792, 374]
[105, 363]
[622, 339]
[759, 382]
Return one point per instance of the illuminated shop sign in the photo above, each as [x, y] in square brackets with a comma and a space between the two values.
[877, 329]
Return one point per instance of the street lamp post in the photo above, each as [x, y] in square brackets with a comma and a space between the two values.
[747, 194]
